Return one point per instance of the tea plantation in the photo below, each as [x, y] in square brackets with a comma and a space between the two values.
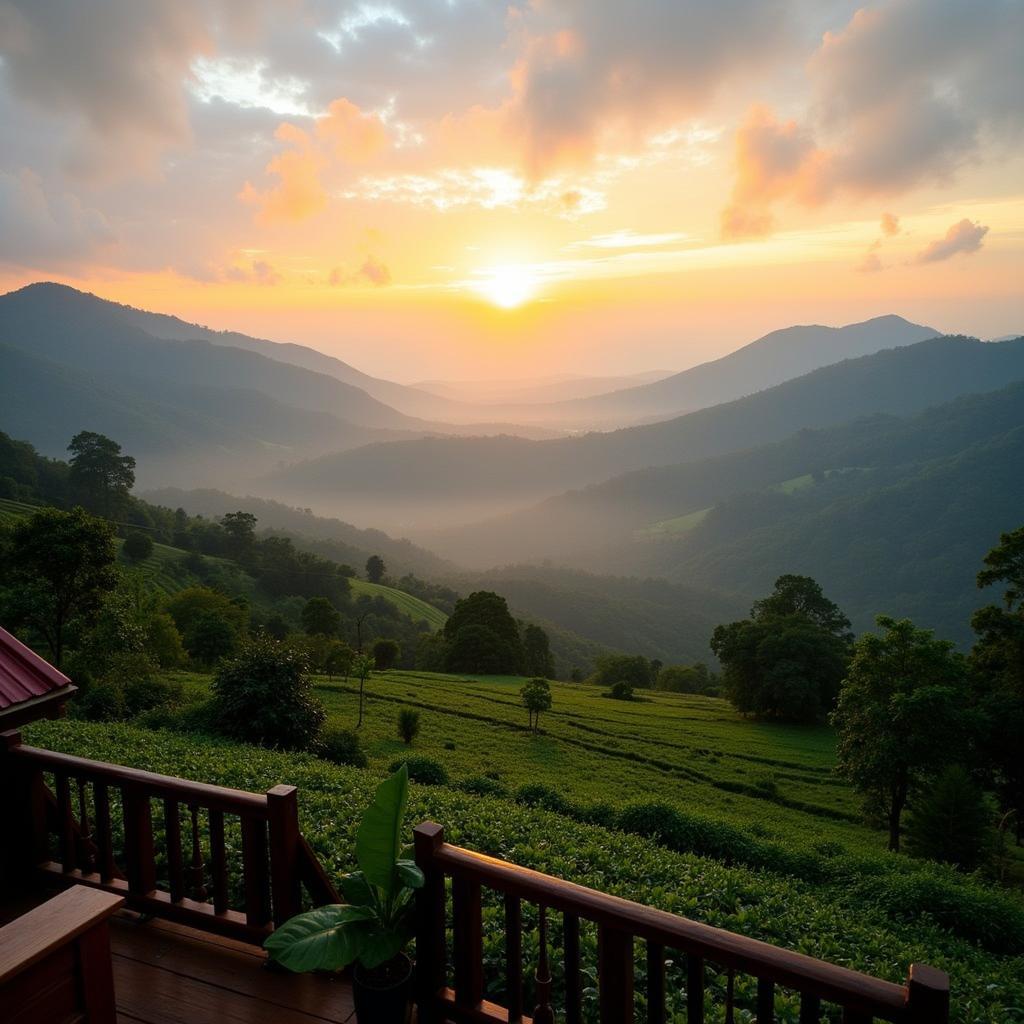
[875, 914]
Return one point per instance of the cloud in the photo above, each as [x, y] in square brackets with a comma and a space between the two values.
[299, 192]
[115, 68]
[352, 135]
[890, 224]
[44, 226]
[903, 95]
[870, 264]
[257, 271]
[963, 237]
[372, 271]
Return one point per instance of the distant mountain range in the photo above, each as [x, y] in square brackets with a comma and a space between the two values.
[466, 470]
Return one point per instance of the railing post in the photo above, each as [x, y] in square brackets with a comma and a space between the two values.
[283, 826]
[139, 849]
[927, 995]
[614, 975]
[428, 838]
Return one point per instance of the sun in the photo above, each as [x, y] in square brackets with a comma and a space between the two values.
[508, 286]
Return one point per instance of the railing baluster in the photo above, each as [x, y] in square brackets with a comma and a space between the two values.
[431, 951]
[196, 872]
[514, 958]
[765, 1001]
[65, 828]
[730, 997]
[543, 1013]
[85, 845]
[104, 833]
[255, 871]
[218, 862]
[810, 1009]
[139, 852]
[469, 943]
[573, 980]
[175, 864]
[614, 975]
[694, 990]
[655, 983]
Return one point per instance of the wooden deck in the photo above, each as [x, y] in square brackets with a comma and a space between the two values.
[165, 973]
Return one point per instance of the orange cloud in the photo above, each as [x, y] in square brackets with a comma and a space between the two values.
[352, 135]
[299, 193]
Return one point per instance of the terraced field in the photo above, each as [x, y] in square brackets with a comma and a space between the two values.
[414, 607]
[11, 510]
[774, 781]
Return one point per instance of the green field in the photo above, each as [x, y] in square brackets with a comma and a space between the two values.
[680, 524]
[414, 607]
[879, 920]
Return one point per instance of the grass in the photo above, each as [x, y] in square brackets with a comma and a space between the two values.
[844, 923]
[414, 607]
[774, 781]
[679, 524]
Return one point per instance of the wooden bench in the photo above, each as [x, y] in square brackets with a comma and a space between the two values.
[55, 962]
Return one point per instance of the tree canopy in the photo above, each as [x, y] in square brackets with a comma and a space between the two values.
[100, 473]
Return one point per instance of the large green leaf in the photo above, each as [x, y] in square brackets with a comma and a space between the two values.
[324, 939]
[357, 890]
[378, 842]
[378, 945]
[409, 874]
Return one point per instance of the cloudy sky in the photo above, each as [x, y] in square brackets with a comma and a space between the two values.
[461, 187]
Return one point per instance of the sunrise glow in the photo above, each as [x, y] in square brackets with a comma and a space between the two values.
[508, 287]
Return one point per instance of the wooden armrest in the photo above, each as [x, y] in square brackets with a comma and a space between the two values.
[31, 937]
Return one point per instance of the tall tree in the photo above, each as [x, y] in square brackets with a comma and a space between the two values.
[101, 474]
[537, 658]
[57, 568]
[490, 630]
[997, 670]
[240, 528]
[536, 697]
[320, 617]
[803, 596]
[375, 568]
[902, 715]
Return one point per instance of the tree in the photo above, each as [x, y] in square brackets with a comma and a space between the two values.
[687, 679]
[491, 644]
[138, 546]
[997, 671]
[537, 657]
[320, 617]
[408, 725]
[375, 568]
[622, 690]
[265, 696]
[211, 639]
[338, 660]
[100, 474]
[803, 596]
[787, 660]
[950, 820]
[902, 715]
[56, 571]
[536, 697]
[362, 667]
[385, 654]
[240, 528]
[194, 608]
[610, 669]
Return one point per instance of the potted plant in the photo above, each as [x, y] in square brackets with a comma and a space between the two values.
[371, 929]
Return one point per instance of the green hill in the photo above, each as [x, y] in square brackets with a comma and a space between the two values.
[416, 609]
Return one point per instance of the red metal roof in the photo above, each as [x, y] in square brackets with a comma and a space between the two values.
[23, 674]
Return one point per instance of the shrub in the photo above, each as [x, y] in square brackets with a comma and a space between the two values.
[951, 821]
[408, 725]
[424, 770]
[622, 690]
[144, 694]
[264, 696]
[138, 546]
[385, 654]
[101, 702]
[449, 744]
[536, 794]
[341, 746]
[480, 785]
[600, 813]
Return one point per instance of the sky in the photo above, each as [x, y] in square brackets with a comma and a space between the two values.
[462, 189]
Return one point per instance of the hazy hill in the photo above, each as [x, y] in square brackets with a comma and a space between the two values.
[454, 471]
[773, 359]
[559, 388]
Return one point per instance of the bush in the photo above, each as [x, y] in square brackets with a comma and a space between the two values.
[424, 770]
[145, 694]
[622, 690]
[449, 745]
[480, 785]
[536, 794]
[265, 696]
[385, 654]
[341, 746]
[951, 822]
[408, 725]
[138, 546]
[101, 702]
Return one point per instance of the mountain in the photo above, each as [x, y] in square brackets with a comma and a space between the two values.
[455, 473]
[773, 359]
[559, 388]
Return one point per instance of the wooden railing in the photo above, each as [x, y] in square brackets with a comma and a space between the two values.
[713, 965]
[217, 859]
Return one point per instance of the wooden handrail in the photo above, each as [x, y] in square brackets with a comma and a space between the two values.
[218, 798]
[865, 997]
[198, 881]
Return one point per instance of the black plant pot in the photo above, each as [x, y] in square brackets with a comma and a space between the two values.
[383, 995]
